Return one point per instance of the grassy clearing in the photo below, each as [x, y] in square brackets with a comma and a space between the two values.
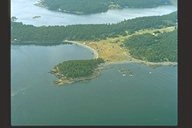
[110, 49]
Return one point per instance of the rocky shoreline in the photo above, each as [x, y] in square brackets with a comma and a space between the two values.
[63, 80]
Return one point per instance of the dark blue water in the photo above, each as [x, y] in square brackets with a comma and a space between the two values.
[147, 97]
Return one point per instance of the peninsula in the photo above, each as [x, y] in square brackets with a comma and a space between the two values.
[76, 70]
[149, 40]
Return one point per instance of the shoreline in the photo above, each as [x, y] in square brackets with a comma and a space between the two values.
[150, 64]
[62, 80]
[130, 60]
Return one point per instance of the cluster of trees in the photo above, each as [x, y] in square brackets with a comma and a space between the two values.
[21, 33]
[154, 48]
[96, 6]
[79, 68]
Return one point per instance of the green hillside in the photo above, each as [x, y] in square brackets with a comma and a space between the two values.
[155, 47]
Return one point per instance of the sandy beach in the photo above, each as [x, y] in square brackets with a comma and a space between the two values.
[85, 46]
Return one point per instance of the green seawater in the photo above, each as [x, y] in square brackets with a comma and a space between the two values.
[147, 96]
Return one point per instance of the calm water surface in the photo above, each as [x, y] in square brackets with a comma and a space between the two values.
[149, 97]
[111, 99]
[25, 10]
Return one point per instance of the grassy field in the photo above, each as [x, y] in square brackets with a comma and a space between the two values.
[111, 50]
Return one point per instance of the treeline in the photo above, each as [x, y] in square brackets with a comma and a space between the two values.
[96, 6]
[157, 47]
[79, 68]
[21, 33]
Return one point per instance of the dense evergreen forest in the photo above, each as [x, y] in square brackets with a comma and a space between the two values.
[155, 47]
[79, 68]
[96, 6]
[29, 34]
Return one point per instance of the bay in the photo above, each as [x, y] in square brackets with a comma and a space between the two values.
[147, 97]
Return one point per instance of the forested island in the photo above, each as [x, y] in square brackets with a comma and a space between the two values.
[76, 70]
[82, 7]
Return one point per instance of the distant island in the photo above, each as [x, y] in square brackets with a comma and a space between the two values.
[83, 7]
[151, 40]
[35, 17]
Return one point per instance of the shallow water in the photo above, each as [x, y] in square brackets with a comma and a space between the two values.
[113, 98]
[25, 10]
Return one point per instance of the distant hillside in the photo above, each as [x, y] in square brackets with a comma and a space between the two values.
[97, 6]
[55, 34]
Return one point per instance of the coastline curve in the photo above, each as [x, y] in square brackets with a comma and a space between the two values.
[96, 55]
